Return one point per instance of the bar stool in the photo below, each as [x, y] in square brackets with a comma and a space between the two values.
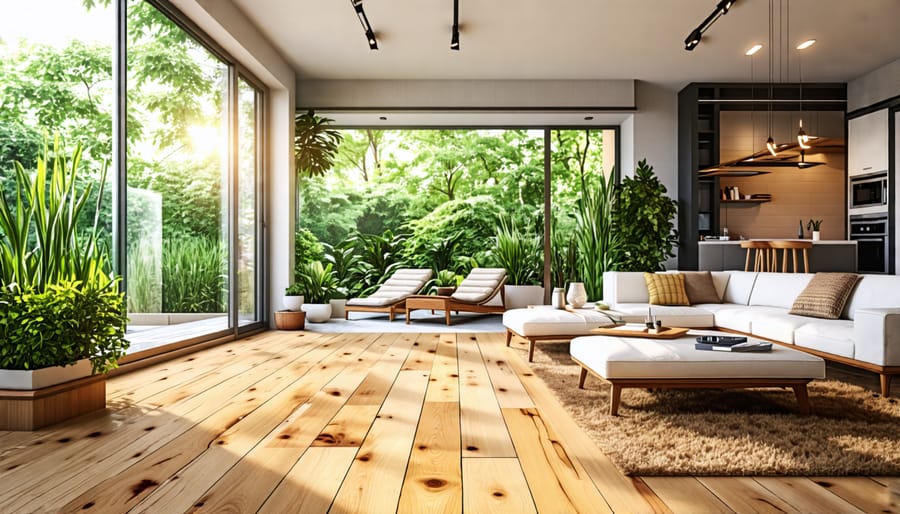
[793, 246]
[762, 257]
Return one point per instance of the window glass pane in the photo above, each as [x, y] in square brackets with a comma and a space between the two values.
[56, 79]
[177, 182]
[247, 205]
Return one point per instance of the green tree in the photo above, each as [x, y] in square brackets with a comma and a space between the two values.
[644, 217]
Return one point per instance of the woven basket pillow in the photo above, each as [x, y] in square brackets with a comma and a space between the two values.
[825, 295]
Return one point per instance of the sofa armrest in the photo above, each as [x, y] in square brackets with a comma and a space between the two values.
[876, 336]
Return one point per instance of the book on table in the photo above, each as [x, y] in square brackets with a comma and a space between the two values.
[721, 340]
[747, 346]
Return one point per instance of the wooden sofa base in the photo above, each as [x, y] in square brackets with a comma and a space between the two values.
[390, 310]
[31, 410]
[886, 373]
[797, 384]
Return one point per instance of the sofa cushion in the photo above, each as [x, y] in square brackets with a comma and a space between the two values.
[778, 289]
[625, 287]
[700, 287]
[740, 285]
[775, 323]
[547, 321]
[670, 315]
[825, 295]
[666, 289]
[832, 336]
[734, 317]
[873, 292]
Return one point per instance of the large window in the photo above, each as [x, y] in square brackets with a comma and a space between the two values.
[437, 199]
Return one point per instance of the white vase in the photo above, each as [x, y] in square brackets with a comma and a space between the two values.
[577, 295]
[292, 303]
[815, 235]
[317, 312]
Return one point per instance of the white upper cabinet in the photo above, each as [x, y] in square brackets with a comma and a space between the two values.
[867, 143]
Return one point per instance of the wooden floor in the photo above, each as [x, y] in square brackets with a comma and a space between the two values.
[302, 422]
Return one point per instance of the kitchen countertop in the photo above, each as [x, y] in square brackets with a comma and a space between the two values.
[738, 241]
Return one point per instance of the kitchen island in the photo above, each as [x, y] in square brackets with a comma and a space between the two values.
[831, 255]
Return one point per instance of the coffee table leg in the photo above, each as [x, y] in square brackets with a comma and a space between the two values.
[615, 394]
[802, 398]
[531, 350]
[582, 378]
[508, 336]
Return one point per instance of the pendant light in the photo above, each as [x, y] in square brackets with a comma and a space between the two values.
[802, 137]
[749, 53]
[770, 143]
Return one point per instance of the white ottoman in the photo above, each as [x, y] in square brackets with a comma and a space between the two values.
[546, 323]
[674, 363]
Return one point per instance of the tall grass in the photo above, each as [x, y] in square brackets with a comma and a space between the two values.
[598, 245]
[194, 275]
[144, 278]
[519, 252]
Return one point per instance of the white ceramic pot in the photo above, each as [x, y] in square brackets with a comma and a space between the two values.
[338, 307]
[577, 295]
[816, 235]
[44, 377]
[519, 297]
[292, 303]
[317, 312]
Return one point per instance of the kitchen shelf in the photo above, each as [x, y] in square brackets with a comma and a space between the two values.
[750, 200]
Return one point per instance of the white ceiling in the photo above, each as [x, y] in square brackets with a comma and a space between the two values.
[575, 39]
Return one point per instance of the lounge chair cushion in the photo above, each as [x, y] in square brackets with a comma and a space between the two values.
[480, 285]
[403, 283]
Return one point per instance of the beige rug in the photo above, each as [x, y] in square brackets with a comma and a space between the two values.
[853, 430]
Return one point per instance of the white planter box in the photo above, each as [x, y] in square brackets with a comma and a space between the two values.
[317, 312]
[338, 308]
[44, 377]
[292, 303]
[519, 297]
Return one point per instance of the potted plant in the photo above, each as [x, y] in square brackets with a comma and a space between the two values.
[445, 282]
[319, 286]
[293, 297]
[520, 254]
[814, 225]
[644, 220]
[60, 306]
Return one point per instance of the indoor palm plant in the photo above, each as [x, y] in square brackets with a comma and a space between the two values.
[445, 282]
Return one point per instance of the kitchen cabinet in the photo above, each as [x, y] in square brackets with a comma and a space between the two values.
[867, 143]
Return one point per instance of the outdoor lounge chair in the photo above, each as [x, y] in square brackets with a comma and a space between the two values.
[472, 295]
[391, 296]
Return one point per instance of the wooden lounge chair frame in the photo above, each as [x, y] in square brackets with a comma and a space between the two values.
[448, 304]
[392, 309]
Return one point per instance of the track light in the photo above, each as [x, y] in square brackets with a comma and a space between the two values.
[696, 35]
[753, 49]
[806, 44]
[454, 38]
[361, 14]
[693, 40]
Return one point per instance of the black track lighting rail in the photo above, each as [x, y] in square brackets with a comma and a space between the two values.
[696, 35]
[364, 20]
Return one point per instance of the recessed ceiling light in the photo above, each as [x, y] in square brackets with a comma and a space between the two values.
[588, 118]
[753, 49]
[806, 44]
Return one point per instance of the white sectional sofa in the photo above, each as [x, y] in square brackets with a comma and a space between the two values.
[867, 335]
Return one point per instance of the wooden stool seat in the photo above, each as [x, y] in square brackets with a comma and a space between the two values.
[793, 246]
[762, 259]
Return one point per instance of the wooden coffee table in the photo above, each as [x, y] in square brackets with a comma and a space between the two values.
[674, 364]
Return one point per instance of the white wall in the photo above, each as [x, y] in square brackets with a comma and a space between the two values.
[228, 26]
[873, 87]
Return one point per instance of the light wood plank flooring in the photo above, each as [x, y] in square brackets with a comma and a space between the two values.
[302, 422]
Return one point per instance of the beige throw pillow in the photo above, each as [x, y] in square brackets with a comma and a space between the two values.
[700, 288]
[825, 295]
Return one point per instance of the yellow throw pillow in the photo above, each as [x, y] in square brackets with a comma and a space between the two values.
[666, 289]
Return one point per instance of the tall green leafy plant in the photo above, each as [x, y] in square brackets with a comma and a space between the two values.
[194, 275]
[58, 301]
[318, 282]
[519, 252]
[598, 244]
[645, 217]
[563, 257]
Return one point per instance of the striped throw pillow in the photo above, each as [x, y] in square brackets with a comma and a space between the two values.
[825, 295]
[666, 289]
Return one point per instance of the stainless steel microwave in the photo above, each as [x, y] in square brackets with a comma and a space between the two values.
[869, 191]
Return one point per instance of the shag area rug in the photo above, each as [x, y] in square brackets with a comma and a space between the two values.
[852, 431]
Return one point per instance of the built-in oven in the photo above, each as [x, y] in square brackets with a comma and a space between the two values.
[870, 231]
[869, 191]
